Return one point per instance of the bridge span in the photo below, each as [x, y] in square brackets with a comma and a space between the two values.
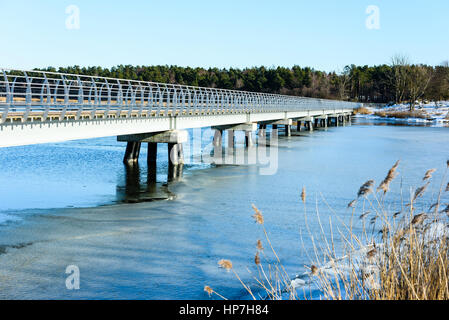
[43, 107]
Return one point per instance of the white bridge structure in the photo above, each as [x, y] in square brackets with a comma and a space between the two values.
[43, 107]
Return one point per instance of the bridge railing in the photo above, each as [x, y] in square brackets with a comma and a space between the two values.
[37, 95]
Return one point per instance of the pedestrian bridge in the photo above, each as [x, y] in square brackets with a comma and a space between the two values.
[45, 107]
[41, 107]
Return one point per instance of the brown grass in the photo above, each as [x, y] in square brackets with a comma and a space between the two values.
[362, 110]
[402, 114]
[407, 260]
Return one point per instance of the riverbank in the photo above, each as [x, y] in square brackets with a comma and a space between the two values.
[434, 113]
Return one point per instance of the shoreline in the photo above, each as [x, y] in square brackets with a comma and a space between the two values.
[427, 113]
[435, 113]
[405, 121]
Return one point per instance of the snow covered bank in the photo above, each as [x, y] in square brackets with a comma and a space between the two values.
[430, 113]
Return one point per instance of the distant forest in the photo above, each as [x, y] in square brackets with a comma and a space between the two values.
[397, 82]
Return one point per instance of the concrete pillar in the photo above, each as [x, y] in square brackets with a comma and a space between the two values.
[132, 184]
[132, 152]
[274, 130]
[262, 130]
[298, 126]
[249, 139]
[218, 138]
[152, 154]
[172, 172]
[310, 126]
[231, 139]
[173, 154]
[288, 130]
[151, 161]
[180, 154]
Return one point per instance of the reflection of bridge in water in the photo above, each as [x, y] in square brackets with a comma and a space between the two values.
[43, 107]
[135, 188]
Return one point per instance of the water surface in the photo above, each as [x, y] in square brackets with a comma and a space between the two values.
[68, 204]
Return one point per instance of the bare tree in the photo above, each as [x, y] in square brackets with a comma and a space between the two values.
[343, 84]
[398, 78]
[418, 78]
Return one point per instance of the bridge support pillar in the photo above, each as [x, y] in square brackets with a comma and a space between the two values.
[181, 153]
[249, 128]
[173, 138]
[335, 119]
[321, 121]
[152, 154]
[132, 153]
[298, 126]
[288, 130]
[308, 122]
[173, 154]
[262, 130]
[152, 161]
[287, 123]
[231, 139]
[175, 172]
[274, 130]
[218, 138]
[249, 139]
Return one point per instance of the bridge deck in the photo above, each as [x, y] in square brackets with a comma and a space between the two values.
[40, 107]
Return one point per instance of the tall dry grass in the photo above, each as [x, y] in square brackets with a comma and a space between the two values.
[402, 114]
[362, 110]
[401, 255]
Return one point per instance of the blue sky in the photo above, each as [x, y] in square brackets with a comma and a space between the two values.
[326, 35]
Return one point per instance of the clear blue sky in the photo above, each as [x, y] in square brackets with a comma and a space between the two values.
[323, 34]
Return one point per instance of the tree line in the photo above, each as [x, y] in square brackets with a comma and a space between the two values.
[397, 82]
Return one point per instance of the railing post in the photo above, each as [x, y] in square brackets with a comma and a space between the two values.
[170, 98]
[7, 98]
[66, 98]
[80, 98]
[28, 98]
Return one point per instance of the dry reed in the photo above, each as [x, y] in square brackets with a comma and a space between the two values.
[407, 258]
[363, 110]
[385, 185]
[402, 114]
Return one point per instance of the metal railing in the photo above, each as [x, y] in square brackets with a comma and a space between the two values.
[50, 96]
